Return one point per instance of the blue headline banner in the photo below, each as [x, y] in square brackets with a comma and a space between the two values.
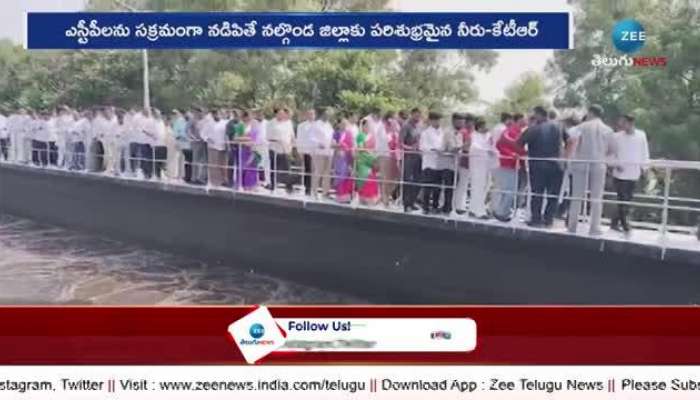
[368, 30]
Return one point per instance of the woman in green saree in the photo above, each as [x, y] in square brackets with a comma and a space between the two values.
[365, 167]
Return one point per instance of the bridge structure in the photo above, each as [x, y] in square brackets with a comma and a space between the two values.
[382, 253]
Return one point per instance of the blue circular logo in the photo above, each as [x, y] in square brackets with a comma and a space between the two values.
[257, 331]
[628, 36]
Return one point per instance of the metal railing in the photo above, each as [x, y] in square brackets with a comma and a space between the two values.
[143, 161]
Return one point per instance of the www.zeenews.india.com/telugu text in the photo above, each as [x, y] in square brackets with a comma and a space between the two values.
[482, 385]
[136, 385]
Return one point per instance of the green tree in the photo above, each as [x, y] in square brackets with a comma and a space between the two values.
[347, 80]
[13, 62]
[526, 92]
[665, 100]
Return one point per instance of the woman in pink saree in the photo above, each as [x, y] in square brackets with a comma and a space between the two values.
[343, 165]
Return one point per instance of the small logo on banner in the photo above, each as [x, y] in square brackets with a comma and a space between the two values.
[257, 331]
[629, 36]
[441, 335]
[257, 335]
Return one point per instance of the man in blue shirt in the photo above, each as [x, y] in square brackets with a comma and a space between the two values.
[544, 142]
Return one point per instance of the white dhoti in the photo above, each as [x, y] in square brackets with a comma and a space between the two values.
[27, 149]
[112, 155]
[265, 153]
[460, 200]
[175, 161]
[479, 179]
[18, 148]
[14, 146]
[61, 145]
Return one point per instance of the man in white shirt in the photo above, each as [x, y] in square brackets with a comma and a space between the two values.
[464, 140]
[53, 138]
[482, 152]
[160, 150]
[280, 135]
[591, 145]
[431, 145]
[147, 139]
[26, 131]
[63, 126]
[122, 141]
[304, 146]
[111, 141]
[126, 142]
[94, 143]
[132, 133]
[40, 139]
[4, 138]
[80, 131]
[214, 134]
[322, 144]
[13, 121]
[18, 126]
[632, 157]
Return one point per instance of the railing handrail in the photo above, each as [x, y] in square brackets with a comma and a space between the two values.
[663, 202]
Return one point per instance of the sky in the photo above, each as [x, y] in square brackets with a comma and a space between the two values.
[511, 63]
[12, 14]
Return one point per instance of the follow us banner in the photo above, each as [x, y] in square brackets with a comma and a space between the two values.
[365, 30]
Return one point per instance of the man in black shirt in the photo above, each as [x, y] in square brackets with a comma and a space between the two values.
[544, 142]
[409, 137]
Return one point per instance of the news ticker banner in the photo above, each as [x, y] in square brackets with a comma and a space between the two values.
[350, 382]
[337, 335]
[346, 30]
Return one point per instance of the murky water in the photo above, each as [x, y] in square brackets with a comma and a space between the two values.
[41, 264]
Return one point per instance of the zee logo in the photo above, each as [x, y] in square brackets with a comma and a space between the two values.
[629, 36]
[257, 331]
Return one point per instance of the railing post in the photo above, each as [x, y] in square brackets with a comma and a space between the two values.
[304, 178]
[401, 152]
[528, 192]
[516, 192]
[153, 164]
[664, 214]
[587, 199]
[455, 171]
[354, 195]
[240, 165]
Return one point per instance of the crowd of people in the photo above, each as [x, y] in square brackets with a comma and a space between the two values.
[437, 164]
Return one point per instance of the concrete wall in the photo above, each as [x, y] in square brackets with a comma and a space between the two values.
[383, 257]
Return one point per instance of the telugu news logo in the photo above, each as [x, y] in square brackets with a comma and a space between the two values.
[628, 37]
[256, 334]
[256, 331]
